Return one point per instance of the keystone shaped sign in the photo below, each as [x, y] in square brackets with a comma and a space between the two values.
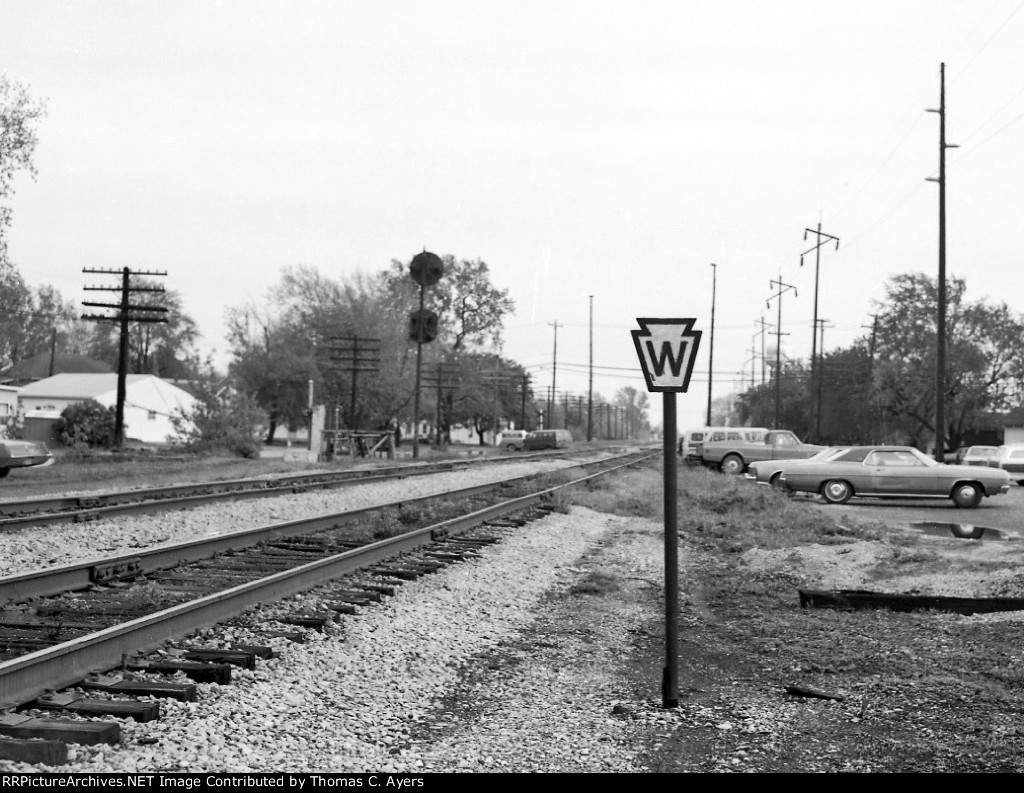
[667, 350]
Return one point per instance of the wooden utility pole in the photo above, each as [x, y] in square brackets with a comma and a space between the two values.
[940, 345]
[814, 328]
[554, 370]
[127, 312]
[783, 288]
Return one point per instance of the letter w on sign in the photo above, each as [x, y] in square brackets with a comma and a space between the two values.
[667, 350]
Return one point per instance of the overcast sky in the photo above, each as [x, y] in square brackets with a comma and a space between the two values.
[612, 149]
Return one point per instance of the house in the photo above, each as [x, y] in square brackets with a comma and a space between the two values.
[149, 404]
[8, 405]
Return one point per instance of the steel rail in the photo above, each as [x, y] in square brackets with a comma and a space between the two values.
[46, 510]
[25, 678]
[80, 575]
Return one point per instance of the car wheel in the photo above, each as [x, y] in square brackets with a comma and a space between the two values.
[4, 472]
[777, 483]
[966, 495]
[732, 465]
[836, 491]
[510, 446]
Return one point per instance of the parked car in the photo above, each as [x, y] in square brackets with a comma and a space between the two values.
[548, 439]
[894, 472]
[691, 444]
[22, 454]
[768, 472]
[1010, 458]
[977, 455]
[512, 439]
[733, 456]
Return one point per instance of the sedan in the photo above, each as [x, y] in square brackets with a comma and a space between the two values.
[977, 455]
[894, 472]
[21, 454]
[1010, 458]
[768, 472]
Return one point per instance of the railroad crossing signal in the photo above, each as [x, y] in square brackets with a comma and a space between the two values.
[667, 349]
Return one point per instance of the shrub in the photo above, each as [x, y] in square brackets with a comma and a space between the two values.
[227, 422]
[86, 424]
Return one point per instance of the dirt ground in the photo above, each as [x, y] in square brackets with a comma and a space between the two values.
[766, 685]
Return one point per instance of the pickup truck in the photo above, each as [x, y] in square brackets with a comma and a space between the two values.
[733, 457]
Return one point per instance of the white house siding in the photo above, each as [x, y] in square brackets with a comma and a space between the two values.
[149, 401]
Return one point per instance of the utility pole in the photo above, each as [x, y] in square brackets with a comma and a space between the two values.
[783, 288]
[522, 407]
[126, 312]
[349, 355]
[711, 349]
[871, 371]
[443, 378]
[554, 370]
[822, 237]
[821, 362]
[940, 346]
[763, 325]
[590, 386]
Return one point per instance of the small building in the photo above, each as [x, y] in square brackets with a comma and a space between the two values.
[150, 403]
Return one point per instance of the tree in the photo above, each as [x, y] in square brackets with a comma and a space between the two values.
[757, 406]
[635, 405]
[20, 115]
[984, 357]
[30, 321]
[471, 310]
[272, 366]
[166, 349]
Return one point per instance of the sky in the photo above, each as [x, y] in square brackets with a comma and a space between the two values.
[599, 156]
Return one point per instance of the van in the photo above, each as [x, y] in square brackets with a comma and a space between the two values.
[691, 444]
[548, 439]
[512, 440]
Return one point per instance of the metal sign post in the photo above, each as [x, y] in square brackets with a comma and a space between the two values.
[667, 349]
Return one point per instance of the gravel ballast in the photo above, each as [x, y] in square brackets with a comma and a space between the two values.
[406, 686]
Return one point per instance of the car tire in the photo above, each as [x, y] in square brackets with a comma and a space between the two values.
[732, 465]
[836, 491]
[966, 495]
[510, 447]
[777, 483]
[4, 472]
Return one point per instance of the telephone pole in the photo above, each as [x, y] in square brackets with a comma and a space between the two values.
[127, 312]
[783, 288]
[554, 370]
[711, 349]
[940, 346]
[820, 323]
[822, 238]
[761, 332]
[590, 385]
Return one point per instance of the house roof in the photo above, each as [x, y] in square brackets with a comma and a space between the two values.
[82, 386]
[38, 367]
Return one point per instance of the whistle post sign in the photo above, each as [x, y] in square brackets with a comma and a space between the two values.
[667, 350]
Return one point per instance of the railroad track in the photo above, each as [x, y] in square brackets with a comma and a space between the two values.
[51, 646]
[44, 510]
